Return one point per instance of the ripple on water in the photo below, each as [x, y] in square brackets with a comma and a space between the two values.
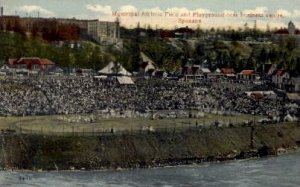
[272, 171]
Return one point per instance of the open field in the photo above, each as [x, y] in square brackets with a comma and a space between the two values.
[75, 124]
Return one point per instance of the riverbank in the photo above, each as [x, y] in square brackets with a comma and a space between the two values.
[145, 148]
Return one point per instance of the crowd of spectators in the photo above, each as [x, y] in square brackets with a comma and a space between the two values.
[80, 95]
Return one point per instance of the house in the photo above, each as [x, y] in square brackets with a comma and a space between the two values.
[184, 33]
[192, 72]
[247, 75]
[179, 33]
[280, 77]
[31, 64]
[228, 72]
[195, 72]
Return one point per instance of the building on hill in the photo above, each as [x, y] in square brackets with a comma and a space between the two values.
[104, 32]
[195, 72]
[184, 33]
[9, 23]
[248, 75]
[30, 64]
[227, 71]
[284, 33]
[179, 33]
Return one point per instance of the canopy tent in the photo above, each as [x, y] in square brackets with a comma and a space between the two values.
[125, 80]
[205, 70]
[147, 63]
[113, 68]
[5, 67]
[217, 70]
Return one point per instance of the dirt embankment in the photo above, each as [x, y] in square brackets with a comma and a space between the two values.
[144, 149]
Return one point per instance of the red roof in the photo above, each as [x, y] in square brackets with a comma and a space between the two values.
[247, 72]
[29, 62]
[227, 71]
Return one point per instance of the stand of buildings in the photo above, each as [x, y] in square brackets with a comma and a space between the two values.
[104, 32]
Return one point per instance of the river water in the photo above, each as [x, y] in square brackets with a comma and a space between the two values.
[271, 171]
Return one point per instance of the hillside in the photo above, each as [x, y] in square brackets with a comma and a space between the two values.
[168, 54]
[144, 149]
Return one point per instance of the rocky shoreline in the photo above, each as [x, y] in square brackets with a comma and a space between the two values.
[152, 149]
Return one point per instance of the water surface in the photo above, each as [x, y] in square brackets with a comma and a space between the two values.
[272, 171]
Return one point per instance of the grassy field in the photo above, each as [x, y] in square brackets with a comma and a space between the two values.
[66, 124]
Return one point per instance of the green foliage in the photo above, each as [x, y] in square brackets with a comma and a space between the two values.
[240, 55]
[14, 45]
[168, 55]
[164, 55]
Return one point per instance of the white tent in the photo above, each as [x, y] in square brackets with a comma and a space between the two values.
[217, 70]
[150, 64]
[111, 69]
[125, 80]
[205, 70]
[5, 67]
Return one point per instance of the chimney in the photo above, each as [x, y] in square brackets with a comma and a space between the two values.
[1, 11]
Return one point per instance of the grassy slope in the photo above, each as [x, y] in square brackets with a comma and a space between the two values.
[135, 150]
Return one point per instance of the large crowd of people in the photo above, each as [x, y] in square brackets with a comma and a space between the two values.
[79, 95]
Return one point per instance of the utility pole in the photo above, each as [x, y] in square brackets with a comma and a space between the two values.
[255, 25]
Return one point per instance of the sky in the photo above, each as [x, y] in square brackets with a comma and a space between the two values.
[166, 13]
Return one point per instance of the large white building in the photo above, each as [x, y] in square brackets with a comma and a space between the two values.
[103, 31]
